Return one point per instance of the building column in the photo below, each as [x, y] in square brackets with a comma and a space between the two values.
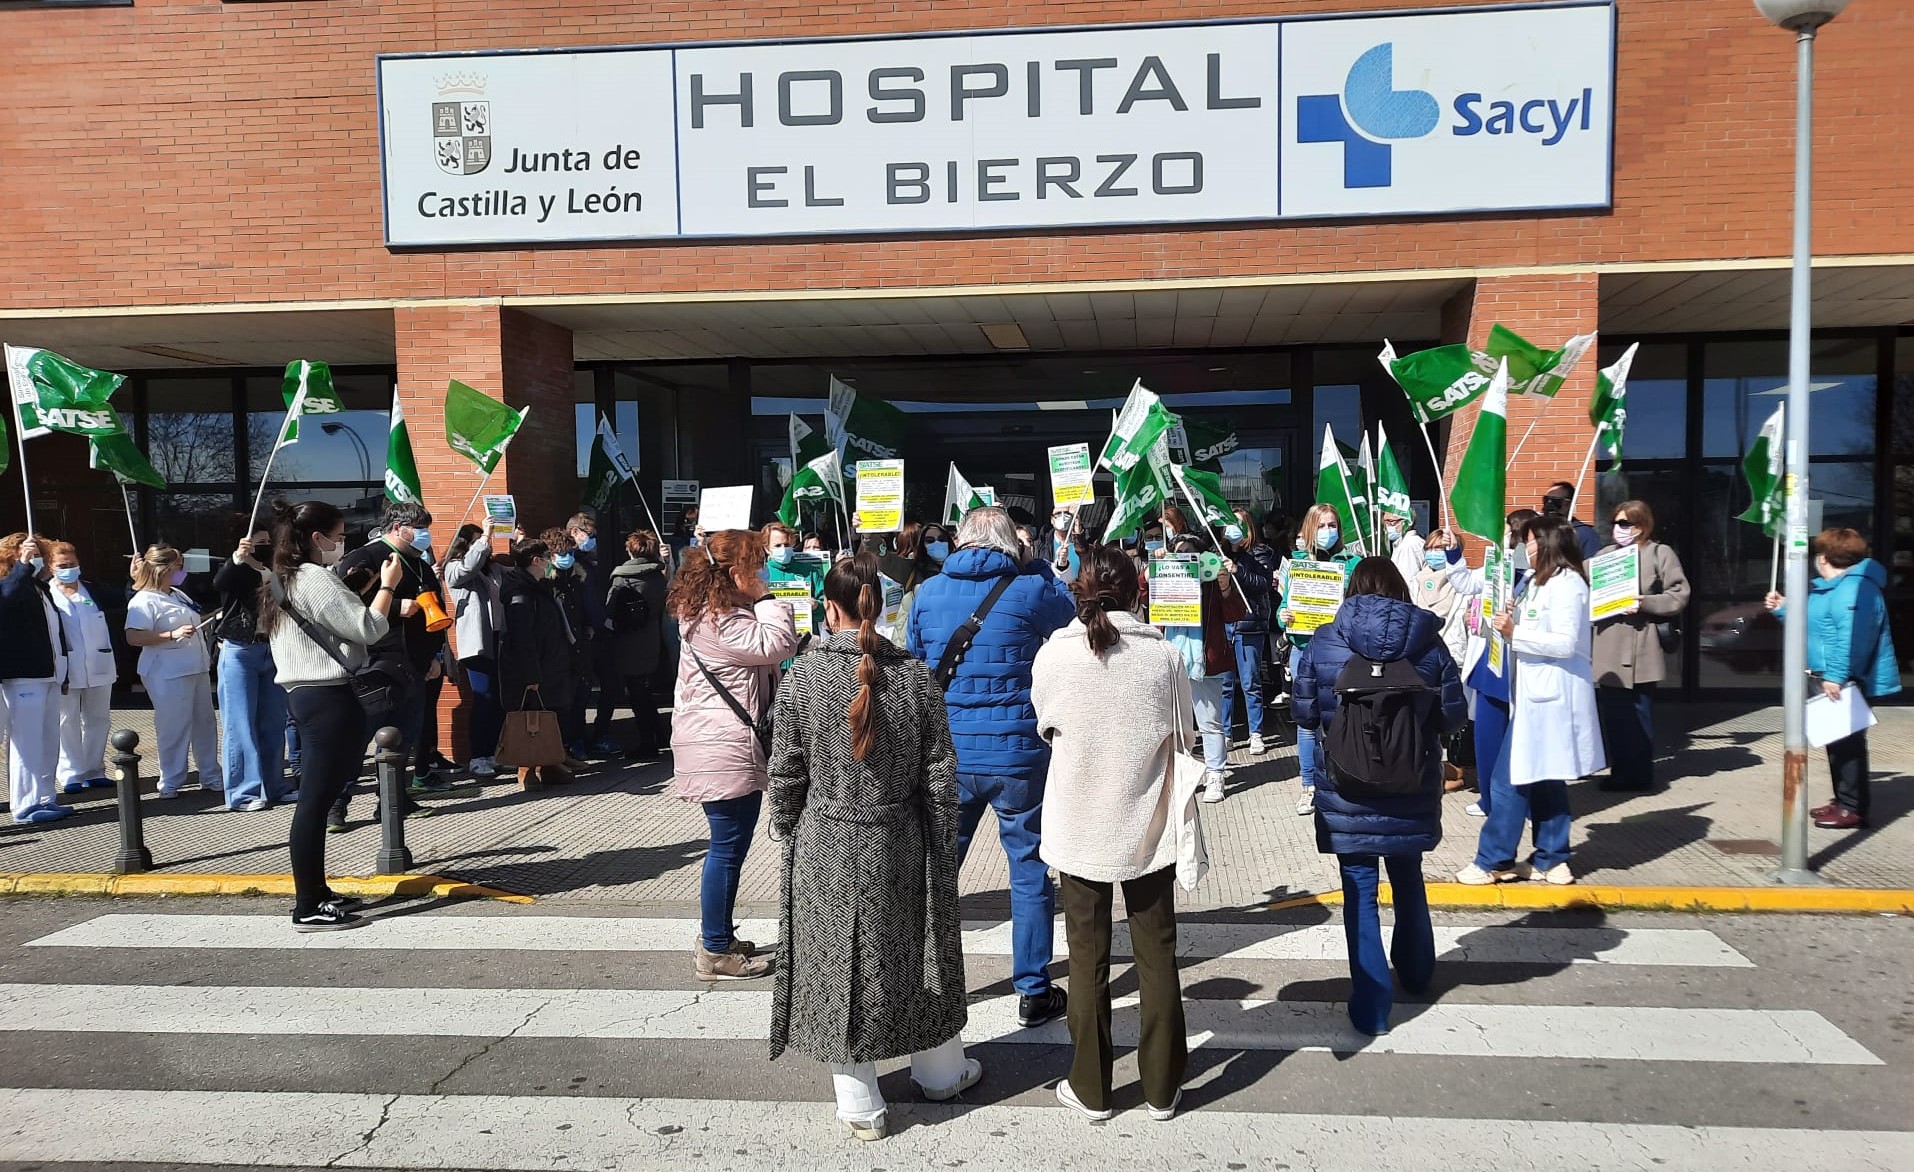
[524, 362]
[1547, 310]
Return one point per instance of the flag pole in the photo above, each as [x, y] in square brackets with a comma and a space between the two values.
[1533, 424]
[131, 531]
[483, 481]
[26, 490]
[1774, 566]
[1442, 490]
[654, 520]
[266, 474]
[1586, 461]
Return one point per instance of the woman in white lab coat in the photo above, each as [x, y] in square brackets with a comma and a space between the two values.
[176, 669]
[86, 709]
[1554, 735]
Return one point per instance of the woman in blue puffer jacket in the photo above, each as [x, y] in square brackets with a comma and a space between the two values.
[1848, 645]
[1378, 622]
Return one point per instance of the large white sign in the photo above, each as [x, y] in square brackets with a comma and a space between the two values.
[1489, 110]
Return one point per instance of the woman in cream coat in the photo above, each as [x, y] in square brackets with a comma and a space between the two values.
[1554, 735]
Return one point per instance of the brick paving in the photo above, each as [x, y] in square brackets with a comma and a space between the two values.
[613, 836]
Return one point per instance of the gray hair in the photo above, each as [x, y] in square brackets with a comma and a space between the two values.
[989, 527]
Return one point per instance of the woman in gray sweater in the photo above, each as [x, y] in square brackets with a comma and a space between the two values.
[302, 598]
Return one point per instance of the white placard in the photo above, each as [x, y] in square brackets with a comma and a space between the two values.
[1432, 113]
[725, 508]
[880, 496]
[1828, 720]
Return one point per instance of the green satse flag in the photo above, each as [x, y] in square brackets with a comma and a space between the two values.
[608, 471]
[117, 454]
[1364, 489]
[816, 474]
[859, 427]
[1533, 370]
[1333, 489]
[478, 426]
[1608, 411]
[1440, 381]
[51, 393]
[1763, 468]
[1480, 496]
[1209, 443]
[1137, 496]
[401, 470]
[959, 497]
[307, 390]
[1392, 487]
[1141, 423]
[1205, 490]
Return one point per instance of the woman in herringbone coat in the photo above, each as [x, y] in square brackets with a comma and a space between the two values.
[864, 797]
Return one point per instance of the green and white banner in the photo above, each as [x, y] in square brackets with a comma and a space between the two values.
[1480, 496]
[1608, 411]
[817, 473]
[608, 471]
[307, 390]
[1766, 480]
[1142, 422]
[118, 454]
[401, 470]
[860, 427]
[51, 393]
[478, 426]
[1533, 370]
[960, 497]
[1392, 487]
[1335, 488]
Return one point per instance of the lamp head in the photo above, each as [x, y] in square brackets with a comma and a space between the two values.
[1797, 15]
[332, 428]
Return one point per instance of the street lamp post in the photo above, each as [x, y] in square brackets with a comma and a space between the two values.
[1803, 18]
[359, 445]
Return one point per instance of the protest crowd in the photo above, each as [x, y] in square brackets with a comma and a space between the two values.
[870, 685]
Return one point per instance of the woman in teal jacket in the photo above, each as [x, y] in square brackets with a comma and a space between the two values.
[1848, 645]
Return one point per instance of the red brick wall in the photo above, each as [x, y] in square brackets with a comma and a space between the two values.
[190, 151]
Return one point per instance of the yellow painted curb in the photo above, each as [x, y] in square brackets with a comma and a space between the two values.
[155, 883]
[1679, 899]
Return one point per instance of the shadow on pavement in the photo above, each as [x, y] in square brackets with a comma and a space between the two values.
[1640, 838]
[1891, 799]
[571, 872]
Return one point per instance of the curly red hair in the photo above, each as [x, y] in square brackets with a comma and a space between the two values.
[705, 581]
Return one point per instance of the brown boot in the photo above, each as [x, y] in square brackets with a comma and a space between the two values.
[528, 780]
[729, 966]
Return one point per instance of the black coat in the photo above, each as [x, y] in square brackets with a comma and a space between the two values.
[407, 640]
[26, 646]
[238, 587]
[536, 646]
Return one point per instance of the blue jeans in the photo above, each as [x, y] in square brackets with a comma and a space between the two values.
[252, 717]
[1542, 804]
[1209, 696]
[1491, 748]
[1309, 753]
[1372, 993]
[732, 822]
[1018, 802]
[1248, 676]
[1628, 730]
[486, 719]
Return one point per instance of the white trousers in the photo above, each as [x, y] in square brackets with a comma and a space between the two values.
[859, 1100]
[30, 720]
[182, 717]
[85, 714]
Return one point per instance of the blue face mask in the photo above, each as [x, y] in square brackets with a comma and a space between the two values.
[68, 574]
[783, 555]
[1153, 548]
[1233, 533]
[588, 543]
[1326, 537]
[1436, 558]
[938, 550]
[565, 561]
[421, 539]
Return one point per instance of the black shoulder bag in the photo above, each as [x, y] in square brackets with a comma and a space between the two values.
[377, 687]
[760, 727]
[964, 636]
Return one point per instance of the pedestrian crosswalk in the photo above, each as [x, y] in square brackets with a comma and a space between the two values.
[229, 1040]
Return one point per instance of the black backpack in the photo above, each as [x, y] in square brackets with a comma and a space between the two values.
[627, 609]
[1383, 729]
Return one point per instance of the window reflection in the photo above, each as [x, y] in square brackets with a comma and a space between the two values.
[1746, 381]
[189, 429]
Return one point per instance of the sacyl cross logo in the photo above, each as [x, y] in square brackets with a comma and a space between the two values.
[1366, 116]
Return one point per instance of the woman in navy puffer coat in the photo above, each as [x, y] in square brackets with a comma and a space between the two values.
[1378, 621]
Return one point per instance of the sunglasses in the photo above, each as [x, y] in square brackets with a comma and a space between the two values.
[1622, 523]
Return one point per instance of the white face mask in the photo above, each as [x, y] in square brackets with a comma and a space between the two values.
[327, 555]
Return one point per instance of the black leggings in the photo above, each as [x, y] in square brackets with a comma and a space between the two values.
[332, 739]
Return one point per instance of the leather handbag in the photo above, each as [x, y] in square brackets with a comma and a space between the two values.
[531, 738]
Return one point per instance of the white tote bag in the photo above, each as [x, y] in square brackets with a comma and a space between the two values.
[1185, 775]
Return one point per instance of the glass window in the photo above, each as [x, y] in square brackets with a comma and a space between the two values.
[347, 446]
[1339, 407]
[1746, 381]
[189, 429]
[1740, 645]
[1735, 558]
[584, 415]
[195, 523]
[1657, 403]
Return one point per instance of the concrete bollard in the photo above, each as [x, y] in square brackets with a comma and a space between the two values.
[133, 858]
[394, 858]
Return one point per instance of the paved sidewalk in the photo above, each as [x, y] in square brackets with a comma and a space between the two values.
[612, 835]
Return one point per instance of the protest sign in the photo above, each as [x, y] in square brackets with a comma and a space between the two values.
[725, 508]
[893, 600]
[803, 606]
[1614, 582]
[1315, 594]
[880, 496]
[1176, 593]
[501, 518]
[1071, 475]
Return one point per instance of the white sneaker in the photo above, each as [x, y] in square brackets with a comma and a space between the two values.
[483, 767]
[1475, 810]
[1474, 876]
[1165, 1114]
[1306, 805]
[1559, 875]
[1212, 787]
[1068, 1098]
[1257, 746]
[973, 1073]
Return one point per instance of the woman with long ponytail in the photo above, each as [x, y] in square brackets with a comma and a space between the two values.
[864, 797]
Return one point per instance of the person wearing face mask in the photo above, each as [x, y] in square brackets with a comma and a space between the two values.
[1320, 539]
[1489, 690]
[176, 669]
[1404, 546]
[32, 668]
[538, 647]
[1443, 586]
[86, 707]
[595, 586]
[252, 705]
[1559, 501]
[1060, 545]
[566, 579]
[1849, 646]
[1256, 567]
[787, 563]
[1629, 655]
[471, 578]
[921, 553]
[735, 635]
[636, 611]
[409, 650]
[1553, 737]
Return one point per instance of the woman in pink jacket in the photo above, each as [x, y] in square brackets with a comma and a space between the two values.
[734, 636]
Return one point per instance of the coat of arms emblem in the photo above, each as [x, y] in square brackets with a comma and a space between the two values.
[462, 124]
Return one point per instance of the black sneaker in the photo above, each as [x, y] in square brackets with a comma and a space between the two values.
[428, 783]
[349, 903]
[329, 917]
[1046, 1007]
[336, 823]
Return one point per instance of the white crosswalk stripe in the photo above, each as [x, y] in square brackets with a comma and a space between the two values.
[1684, 947]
